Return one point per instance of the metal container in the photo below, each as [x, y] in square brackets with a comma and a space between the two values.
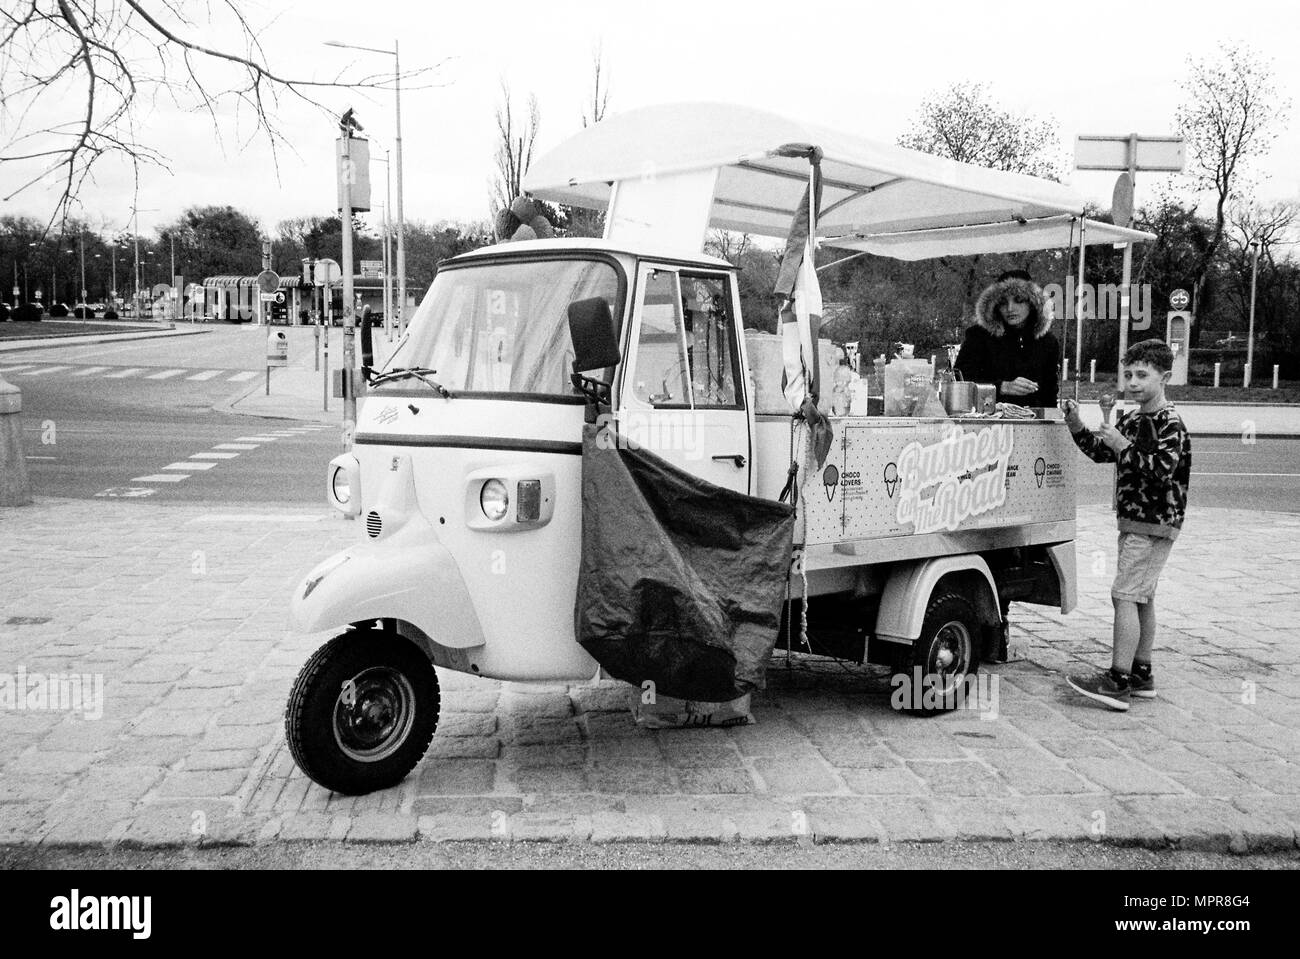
[958, 397]
[986, 400]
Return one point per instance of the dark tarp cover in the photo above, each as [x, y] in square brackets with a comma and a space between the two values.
[682, 581]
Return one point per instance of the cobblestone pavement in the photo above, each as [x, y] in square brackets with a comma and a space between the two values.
[182, 612]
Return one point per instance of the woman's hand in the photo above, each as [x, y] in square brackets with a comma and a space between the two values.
[1019, 387]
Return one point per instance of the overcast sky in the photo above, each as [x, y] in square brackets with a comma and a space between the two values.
[1103, 67]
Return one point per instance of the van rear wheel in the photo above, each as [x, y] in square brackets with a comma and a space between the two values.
[942, 657]
[362, 711]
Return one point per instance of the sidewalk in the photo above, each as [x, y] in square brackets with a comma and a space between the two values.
[63, 339]
[182, 613]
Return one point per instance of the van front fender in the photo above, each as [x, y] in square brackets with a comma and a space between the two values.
[417, 581]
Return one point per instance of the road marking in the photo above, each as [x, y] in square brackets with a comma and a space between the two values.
[241, 377]
[164, 375]
[189, 465]
[15, 369]
[235, 446]
[126, 492]
[1246, 474]
[214, 456]
[48, 369]
[205, 375]
[122, 374]
[41, 457]
[256, 439]
[91, 369]
[160, 478]
[254, 518]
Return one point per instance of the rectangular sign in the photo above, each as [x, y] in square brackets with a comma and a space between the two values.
[894, 479]
[372, 268]
[1111, 153]
[354, 173]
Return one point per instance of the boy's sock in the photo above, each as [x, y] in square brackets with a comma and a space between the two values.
[1141, 682]
[1120, 677]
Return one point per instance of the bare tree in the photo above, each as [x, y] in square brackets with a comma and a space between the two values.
[514, 150]
[77, 78]
[1229, 118]
[577, 220]
[962, 123]
[599, 89]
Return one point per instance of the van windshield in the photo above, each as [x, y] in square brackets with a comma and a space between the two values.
[503, 327]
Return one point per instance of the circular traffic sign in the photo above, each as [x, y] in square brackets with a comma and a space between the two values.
[1179, 299]
[268, 281]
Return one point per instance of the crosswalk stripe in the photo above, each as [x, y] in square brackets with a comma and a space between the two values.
[160, 478]
[122, 374]
[164, 375]
[190, 465]
[90, 369]
[241, 377]
[235, 446]
[15, 369]
[48, 369]
[256, 439]
[214, 456]
[205, 375]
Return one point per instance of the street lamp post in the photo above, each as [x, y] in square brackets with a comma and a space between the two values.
[1250, 334]
[401, 221]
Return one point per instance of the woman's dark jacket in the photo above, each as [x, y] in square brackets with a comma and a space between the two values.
[993, 352]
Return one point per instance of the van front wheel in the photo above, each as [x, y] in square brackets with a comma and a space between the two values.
[362, 711]
[943, 656]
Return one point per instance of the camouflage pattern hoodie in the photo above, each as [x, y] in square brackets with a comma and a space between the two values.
[1152, 474]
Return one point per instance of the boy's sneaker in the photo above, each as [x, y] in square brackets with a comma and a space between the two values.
[1142, 687]
[1104, 688]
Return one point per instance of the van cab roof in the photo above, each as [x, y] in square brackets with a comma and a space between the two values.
[572, 244]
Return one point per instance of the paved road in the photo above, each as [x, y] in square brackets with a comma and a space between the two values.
[136, 420]
[1225, 473]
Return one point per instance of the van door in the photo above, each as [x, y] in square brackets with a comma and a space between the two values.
[683, 395]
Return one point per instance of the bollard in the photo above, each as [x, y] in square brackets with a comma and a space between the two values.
[1092, 371]
[1065, 371]
[1216, 374]
[1245, 377]
[14, 489]
[1275, 368]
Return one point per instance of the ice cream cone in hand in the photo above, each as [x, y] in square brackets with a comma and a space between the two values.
[1107, 403]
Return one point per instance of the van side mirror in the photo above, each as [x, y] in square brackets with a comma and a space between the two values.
[594, 334]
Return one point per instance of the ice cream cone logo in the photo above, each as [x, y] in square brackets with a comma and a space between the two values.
[1040, 471]
[891, 479]
[830, 479]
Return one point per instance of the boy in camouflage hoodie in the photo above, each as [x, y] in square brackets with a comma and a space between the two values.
[1153, 456]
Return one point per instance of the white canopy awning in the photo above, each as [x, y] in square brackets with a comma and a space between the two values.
[1011, 236]
[869, 188]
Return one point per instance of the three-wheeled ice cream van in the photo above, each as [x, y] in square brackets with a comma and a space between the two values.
[909, 536]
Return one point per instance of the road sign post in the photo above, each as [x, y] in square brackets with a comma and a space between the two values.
[1129, 154]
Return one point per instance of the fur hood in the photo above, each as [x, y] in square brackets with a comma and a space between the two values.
[985, 306]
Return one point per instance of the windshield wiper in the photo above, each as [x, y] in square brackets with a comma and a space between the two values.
[420, 373]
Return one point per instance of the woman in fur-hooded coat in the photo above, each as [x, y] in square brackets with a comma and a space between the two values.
[1012, 345]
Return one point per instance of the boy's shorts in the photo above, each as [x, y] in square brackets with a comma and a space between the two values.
[1141, 559]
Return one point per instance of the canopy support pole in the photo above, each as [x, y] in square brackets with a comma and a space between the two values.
[1078, 306]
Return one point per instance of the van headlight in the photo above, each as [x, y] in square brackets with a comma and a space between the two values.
[494, 499]
[341, 486]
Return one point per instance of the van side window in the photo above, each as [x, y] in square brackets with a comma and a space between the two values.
[662, 371]
[710, 340]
